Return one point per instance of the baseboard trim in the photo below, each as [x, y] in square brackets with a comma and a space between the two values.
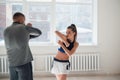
[74, 74]
[77, 74]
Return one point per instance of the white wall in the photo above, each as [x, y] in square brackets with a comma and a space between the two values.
[108, 38]
[108, 34]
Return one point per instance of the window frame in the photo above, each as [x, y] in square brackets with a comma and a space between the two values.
[53, 28]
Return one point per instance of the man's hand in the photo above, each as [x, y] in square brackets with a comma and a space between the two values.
[29, 24]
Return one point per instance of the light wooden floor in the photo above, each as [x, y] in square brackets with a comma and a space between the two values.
[79, 78]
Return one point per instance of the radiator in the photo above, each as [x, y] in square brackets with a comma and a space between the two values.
[80, 62]
[42, 63]
[85, 62]
[3, 64]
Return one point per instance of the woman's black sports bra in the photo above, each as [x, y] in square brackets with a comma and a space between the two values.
[69, 47]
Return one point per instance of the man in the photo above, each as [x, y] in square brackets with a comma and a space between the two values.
[19, 55]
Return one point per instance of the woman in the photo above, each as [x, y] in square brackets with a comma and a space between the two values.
[68, 46]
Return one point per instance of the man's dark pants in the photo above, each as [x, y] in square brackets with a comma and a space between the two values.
[23, 72]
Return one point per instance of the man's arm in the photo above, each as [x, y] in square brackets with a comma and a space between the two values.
[34, 32]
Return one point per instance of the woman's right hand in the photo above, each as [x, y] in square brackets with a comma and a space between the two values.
[60, 42]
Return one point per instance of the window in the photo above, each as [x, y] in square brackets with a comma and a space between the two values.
[51, 15]
[2, 20]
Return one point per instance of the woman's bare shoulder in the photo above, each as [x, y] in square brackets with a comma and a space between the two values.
[76, 43]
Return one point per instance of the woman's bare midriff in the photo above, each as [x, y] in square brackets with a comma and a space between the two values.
[61, 56]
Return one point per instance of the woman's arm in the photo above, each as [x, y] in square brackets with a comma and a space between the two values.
[62, 37]
[69, 52]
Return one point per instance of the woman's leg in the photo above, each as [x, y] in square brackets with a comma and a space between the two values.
[61, 77]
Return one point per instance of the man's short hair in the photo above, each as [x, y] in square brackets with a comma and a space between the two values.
[18, 14]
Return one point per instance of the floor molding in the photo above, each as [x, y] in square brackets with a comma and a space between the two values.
[48, 74]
